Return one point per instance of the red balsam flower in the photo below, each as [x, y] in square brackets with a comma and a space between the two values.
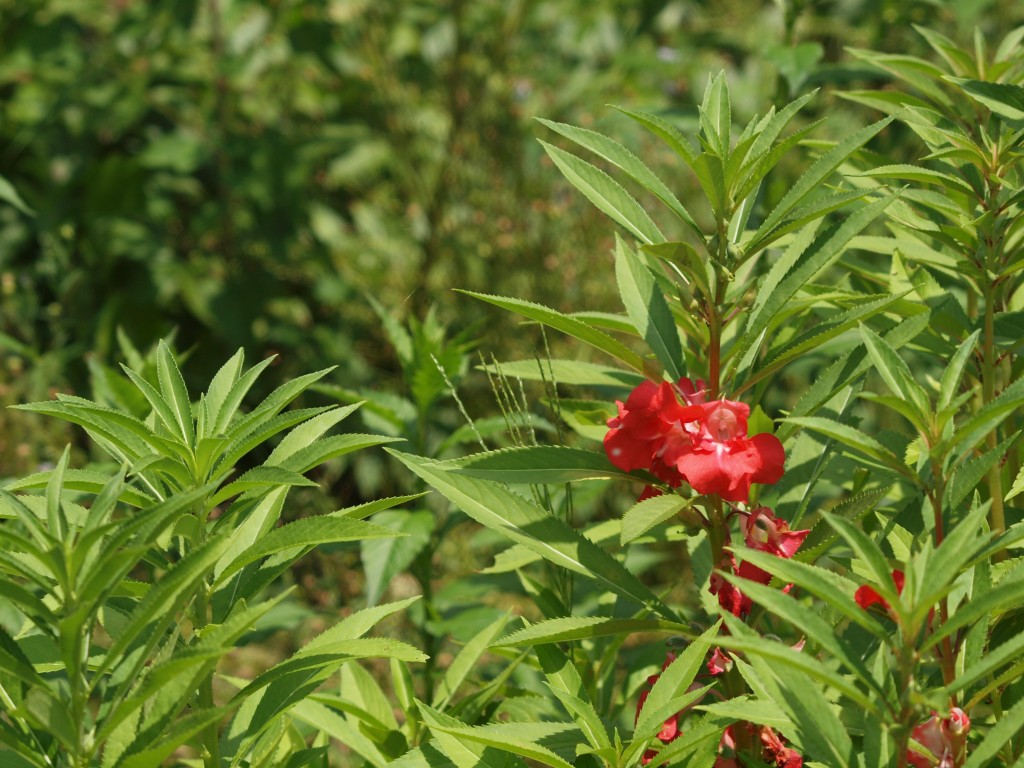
[943, 738]
[866, 596]
[705, 444]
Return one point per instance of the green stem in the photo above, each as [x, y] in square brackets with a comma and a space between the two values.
[997, 518]
[211, 734]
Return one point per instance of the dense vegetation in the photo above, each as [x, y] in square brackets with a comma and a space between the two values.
[795, 326]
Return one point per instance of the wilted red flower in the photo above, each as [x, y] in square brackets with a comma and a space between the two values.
[705, 444]
[773, 748]
[866, 596]
[944, 738]
[766, 533]
[719, 662]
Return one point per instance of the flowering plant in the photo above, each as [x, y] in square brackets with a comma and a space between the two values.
[862, 579]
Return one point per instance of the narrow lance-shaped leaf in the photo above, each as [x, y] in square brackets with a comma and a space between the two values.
[523, 522]
[648, 310]
[606, 193]
[621, 157]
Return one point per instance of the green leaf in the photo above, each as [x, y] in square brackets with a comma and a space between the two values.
[570, 325]
[570, 628]
[537, 464]
[385, 558]
[518, 738]
[665, 131]
[260, 477]
[989, 417]
[816, 175]
[525, 523]
[949, 387]
[273, 404]
[565, 682]
[220, 386]
[852, 438]
[337, 727]
[175, 735]
[870, 554]
[716, 115]
[304, 434]
[305, 532]
[1005, 99]
[920, 175]
[663, 701]
[466, 659]
[897, 377]
[10, 195]
[618, 155]
[175, 394]
[643, 516]
[789, 275]
[570, 372]
[1006, 727]
[647, 309]
[260, 433]
[604, 192]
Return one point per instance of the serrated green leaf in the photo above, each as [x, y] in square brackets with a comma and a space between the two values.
[571, 372]
[816, 175]
[607, 194]
[305, 532]
[537, 464]
[259, 477]
[647, 309]
[570, 325]
[466, 659]
[643, 516]
[618, 155]
[569, 628]
[1005, 99]
[525, 523]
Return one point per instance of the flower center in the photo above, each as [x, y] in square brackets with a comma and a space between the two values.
[723, 425]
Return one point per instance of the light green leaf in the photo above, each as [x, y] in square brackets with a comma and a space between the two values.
[606, 193]
[174, 392]
[537, 464]
[618, 155]
[305, 532]
[570, 628]
[648, 309]
[525, 523]
[571, 372]
[466, 659]
[260, 477]
[570, 325]
[643, 516]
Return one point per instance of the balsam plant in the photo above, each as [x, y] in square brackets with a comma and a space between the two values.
[128, 589]
[856, 591]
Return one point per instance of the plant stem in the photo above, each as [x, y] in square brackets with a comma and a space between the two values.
[211, 733]
[997, 518]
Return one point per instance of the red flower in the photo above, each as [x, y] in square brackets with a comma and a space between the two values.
[866, 596]
[943, 738]
[721, 459]
[773, 748]
[729, 595]
[719, 662]
[650, 420]
[670, 728]
[704, 443]
[766, 533]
